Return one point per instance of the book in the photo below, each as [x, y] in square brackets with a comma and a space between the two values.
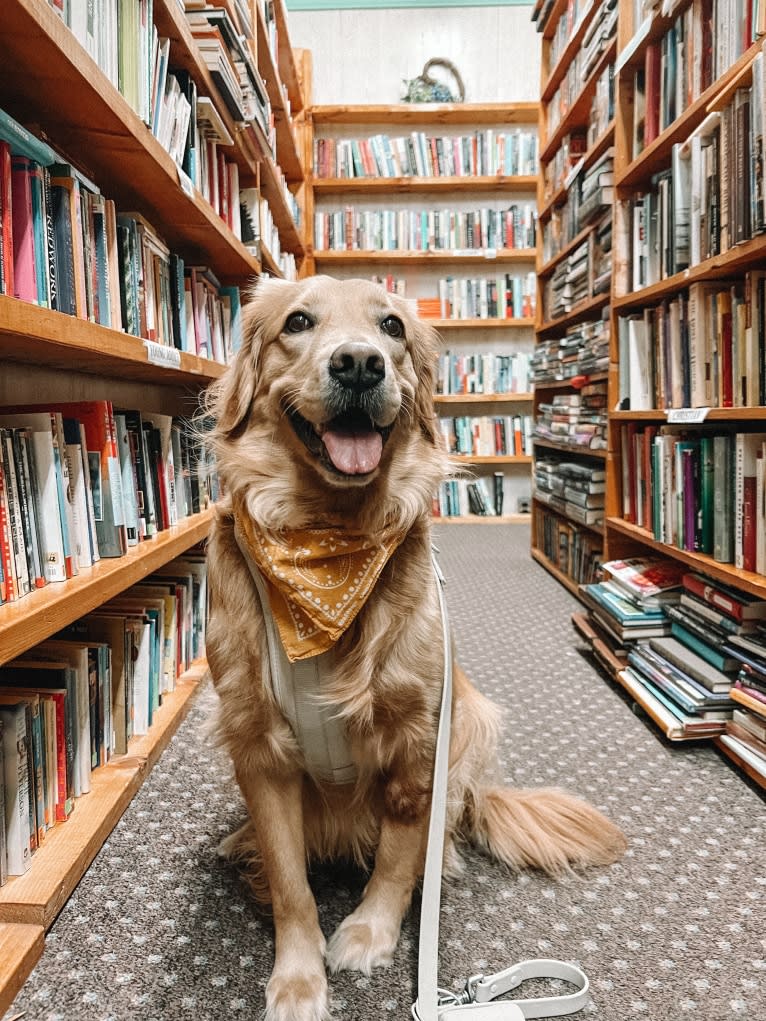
[690, 663]
[16, 784]
[652, 580]
[736, 605]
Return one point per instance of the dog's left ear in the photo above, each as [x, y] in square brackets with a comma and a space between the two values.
[232, 397]
[425, 350]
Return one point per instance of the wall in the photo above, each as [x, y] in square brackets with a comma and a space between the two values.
[361, 56]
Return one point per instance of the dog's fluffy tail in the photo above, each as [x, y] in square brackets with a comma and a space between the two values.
[543, 828]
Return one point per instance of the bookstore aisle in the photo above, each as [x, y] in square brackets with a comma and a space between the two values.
[160, 928]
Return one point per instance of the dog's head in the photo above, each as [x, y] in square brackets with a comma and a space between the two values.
[331, 394]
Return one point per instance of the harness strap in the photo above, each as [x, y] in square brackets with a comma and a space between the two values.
[434, 1004]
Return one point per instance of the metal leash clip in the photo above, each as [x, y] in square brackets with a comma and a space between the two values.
[481, 991]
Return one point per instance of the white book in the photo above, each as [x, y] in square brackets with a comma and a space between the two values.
[640, 366]
[141, 668]
[16, 780]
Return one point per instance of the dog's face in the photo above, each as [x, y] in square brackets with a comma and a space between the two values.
[337, 375]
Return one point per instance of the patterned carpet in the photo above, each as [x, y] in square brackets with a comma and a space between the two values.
[159, 928]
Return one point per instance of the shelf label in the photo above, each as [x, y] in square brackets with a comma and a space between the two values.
[186, 182]
[687, 416]
[163, 354]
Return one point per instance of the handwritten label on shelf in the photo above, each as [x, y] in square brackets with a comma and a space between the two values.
[186, 183]
[687, 416]
[161, 354]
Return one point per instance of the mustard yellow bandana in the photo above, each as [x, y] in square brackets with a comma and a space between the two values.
[318, 579]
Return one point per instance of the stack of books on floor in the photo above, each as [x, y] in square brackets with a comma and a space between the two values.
[684, 675]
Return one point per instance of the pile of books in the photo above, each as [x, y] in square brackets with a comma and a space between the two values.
[574, 488]
[576, 420]
[569, 284]
[582, 350]
[596, 189]
[71, 703]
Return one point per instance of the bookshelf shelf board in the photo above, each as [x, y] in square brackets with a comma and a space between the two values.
[432, 257]
[747, 255]
[447, 114]
[288, 68]
[578, 113]
[559, 8]
[558, 574]
[631, 57]
[593, 154]
[172, 24]
[568, 448]
[271, 189]
[547, 268]
[482, 519]
[524, 398]
[268, 261]
[567, 384]
[42, 613]
[357, 185]
[90, 115]
[68, 849]
[653, 710]
[475, 324]
[751, 414]
[491, 459]
[741, 763]
[39, 336]
[596, 529]
[560, 68]
[656, 156]
[287, 150]
[581, 311]
[748, 581]
[21, 947]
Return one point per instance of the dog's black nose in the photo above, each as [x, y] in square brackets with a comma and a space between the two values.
[357, 366]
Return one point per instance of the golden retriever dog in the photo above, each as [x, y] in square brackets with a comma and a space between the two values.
[329, 455]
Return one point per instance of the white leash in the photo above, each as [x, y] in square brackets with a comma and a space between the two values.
[434, 1004]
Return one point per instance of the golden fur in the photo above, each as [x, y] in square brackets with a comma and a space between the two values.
[271, 408]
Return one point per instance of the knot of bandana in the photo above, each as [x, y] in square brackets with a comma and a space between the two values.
[318, 579]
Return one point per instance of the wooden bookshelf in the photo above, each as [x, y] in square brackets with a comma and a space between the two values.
[68, 849]
[51, 86]
[21, 947]
[457, 119]
[557, 573]
[483, 519]
[581, 311]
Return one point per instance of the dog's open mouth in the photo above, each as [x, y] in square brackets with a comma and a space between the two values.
[350, 443]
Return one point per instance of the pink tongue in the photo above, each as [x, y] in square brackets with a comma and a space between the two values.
[354, 453]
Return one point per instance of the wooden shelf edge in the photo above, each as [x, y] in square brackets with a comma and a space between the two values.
[475, 324]
[557, 573]
[426, 113]
[543, 505]
[747, 581]
[579, 312]
[560, 384]
[568, 448]
[69, 848]
[37, 335]
[42, 613]
[523, 398]
[746, 414]
[741, 763]
[424, 257]
[344, 185]
[482, 519]
[21, 947]
[559, 69]
[491, 459]
[548, 267]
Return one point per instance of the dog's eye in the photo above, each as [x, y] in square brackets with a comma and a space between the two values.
[393, 326]
[298, 322]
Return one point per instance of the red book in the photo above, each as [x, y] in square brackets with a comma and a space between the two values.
[736, 605]
[652, 68]
[6, 217]
[24, 270]
[648, 497]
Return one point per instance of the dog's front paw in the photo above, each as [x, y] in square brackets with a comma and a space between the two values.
[361, 944]
[291, 997]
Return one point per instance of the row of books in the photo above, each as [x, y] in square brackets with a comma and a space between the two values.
[582, 351]
[588, 197]
[575, 419]
[482, 153]
[577, 74]
[64, 246]
[459, 498]
[699, 491]
[705, 39]
[483, 373]
[558, 169]
[499, 297]
[574, 488]
[483, 230]
[72, 703]
[575, 551]
[701, 350]
[568, 23]
[487, 435]
[80, 481]
[261, 229]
